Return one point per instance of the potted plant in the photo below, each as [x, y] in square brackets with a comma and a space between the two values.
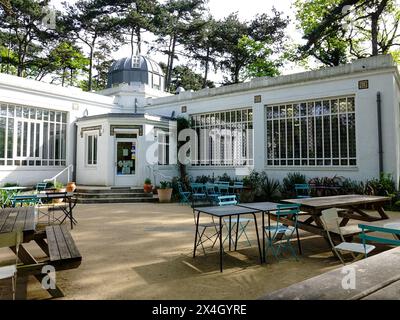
[59, 187]
[147, 187]
[164, 191]
[71, 186]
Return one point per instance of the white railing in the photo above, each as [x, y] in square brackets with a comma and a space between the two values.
[69, 170]
[154, 171]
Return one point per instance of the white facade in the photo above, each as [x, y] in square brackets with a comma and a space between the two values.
[109, 116]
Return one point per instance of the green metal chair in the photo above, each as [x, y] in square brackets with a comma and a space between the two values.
[364, 236]
[231, 225]
[278, 235]
[302, 191]
[184, 195]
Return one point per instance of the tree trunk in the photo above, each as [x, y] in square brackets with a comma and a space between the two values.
[63, 77]
[374, 34]
[139, 40]
[90, 85]
[71, 81]
[171, 61]
[132, 43]
[206, 68]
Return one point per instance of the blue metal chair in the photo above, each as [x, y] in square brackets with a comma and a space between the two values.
[184, 195]
[41, 186]
[211, 192]
[223, 187]
[366, 237]
[243, 222]
[302, 191]
[279, 235]
[198, 191]
[29, 199]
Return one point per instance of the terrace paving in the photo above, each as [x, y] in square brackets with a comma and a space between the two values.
[144, 251]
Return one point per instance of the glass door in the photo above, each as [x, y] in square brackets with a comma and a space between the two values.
[126, 162]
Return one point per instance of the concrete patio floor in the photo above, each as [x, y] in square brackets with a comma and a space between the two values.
[144, 251]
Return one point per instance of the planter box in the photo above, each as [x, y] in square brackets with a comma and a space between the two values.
[164, 195]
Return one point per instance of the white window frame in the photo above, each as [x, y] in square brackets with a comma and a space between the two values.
[95, 138]
[328, 158]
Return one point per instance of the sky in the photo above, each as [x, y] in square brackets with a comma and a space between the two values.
[246, 9]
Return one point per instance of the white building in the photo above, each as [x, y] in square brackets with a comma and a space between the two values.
[321, 123]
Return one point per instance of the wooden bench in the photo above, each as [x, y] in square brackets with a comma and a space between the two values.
[62, 249]
[376, 276]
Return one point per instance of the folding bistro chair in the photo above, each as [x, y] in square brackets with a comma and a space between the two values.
[212, 194]
[243, 222]
[278, 235]
[198, 191]
[302, 191]
[184, 195]
[364, 236]
[202, 236]
[223, 187]
[11, 239]
[331, 223]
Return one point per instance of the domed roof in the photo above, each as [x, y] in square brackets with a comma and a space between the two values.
[136, 69]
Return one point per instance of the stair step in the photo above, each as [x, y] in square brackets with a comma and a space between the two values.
[116, 191]
[113, 195]
[116, 200]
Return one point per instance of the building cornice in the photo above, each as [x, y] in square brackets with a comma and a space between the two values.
[377, 64]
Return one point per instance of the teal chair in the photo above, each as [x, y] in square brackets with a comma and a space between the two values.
[364, 236]
[184, 195]
[41, 186]
[29, 199]
[302, 191]
[198, 191]
[243, 222]
[211, 192]
[278, 235]
[223, 187]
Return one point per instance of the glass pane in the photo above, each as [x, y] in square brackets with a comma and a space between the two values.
[95, 150]
[37, 142]
[19, 138]
[25, 140]
[11, 111]
[51, 142]
[58, 142]
[32, 113]
[335, 137]
[45, 141]
[350, 105]
[18, 112]
[10, 143]
[90, 149]
[31, 139]
[2, 136]
[126, 158]
[343, 136]
[52, 115]
[25, 112]
[3, 110]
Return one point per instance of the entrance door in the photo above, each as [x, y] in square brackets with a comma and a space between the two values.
[126, 162]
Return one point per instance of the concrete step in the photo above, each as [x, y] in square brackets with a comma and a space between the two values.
[116, 200]
[113, 195]
[108, 190]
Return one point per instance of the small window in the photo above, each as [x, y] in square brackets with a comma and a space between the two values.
[91, 147]
[163, 147]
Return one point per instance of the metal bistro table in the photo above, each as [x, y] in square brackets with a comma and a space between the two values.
[68, 198]
[221, 212]
[265, 208]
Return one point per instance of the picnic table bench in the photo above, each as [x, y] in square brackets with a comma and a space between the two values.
[55, 241]
[352, 206]
[377, 277]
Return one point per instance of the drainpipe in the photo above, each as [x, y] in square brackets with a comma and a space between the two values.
[75, 148]
[379, 111]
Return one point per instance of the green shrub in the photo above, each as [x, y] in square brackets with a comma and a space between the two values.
[289, 181]
[165, 185]
[10, 184]
[147, 181]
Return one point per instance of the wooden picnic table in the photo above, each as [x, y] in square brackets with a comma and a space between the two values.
[56, 242]
[352, 206]
[377, 277]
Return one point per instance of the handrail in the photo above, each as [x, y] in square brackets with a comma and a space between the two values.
[70, 169]
[154, 172]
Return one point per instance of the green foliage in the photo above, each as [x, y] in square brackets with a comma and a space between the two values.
[59, 185]
[147, 181]
[352, 187]
[10, 184]
[289, 181]
[384, 186]
[165, 185]
[262, 187]
[260, 63]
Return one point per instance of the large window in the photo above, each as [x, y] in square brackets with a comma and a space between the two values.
[312, 133]
[163, 146]
[224, 138]
[91, 147]
[32, 136]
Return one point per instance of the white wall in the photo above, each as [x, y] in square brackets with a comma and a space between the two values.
[343, 85]
[32, 93]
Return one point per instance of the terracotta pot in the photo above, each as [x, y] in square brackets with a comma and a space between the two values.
[61, 199]
[147, 188]
[164, 195]
[71, 187]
